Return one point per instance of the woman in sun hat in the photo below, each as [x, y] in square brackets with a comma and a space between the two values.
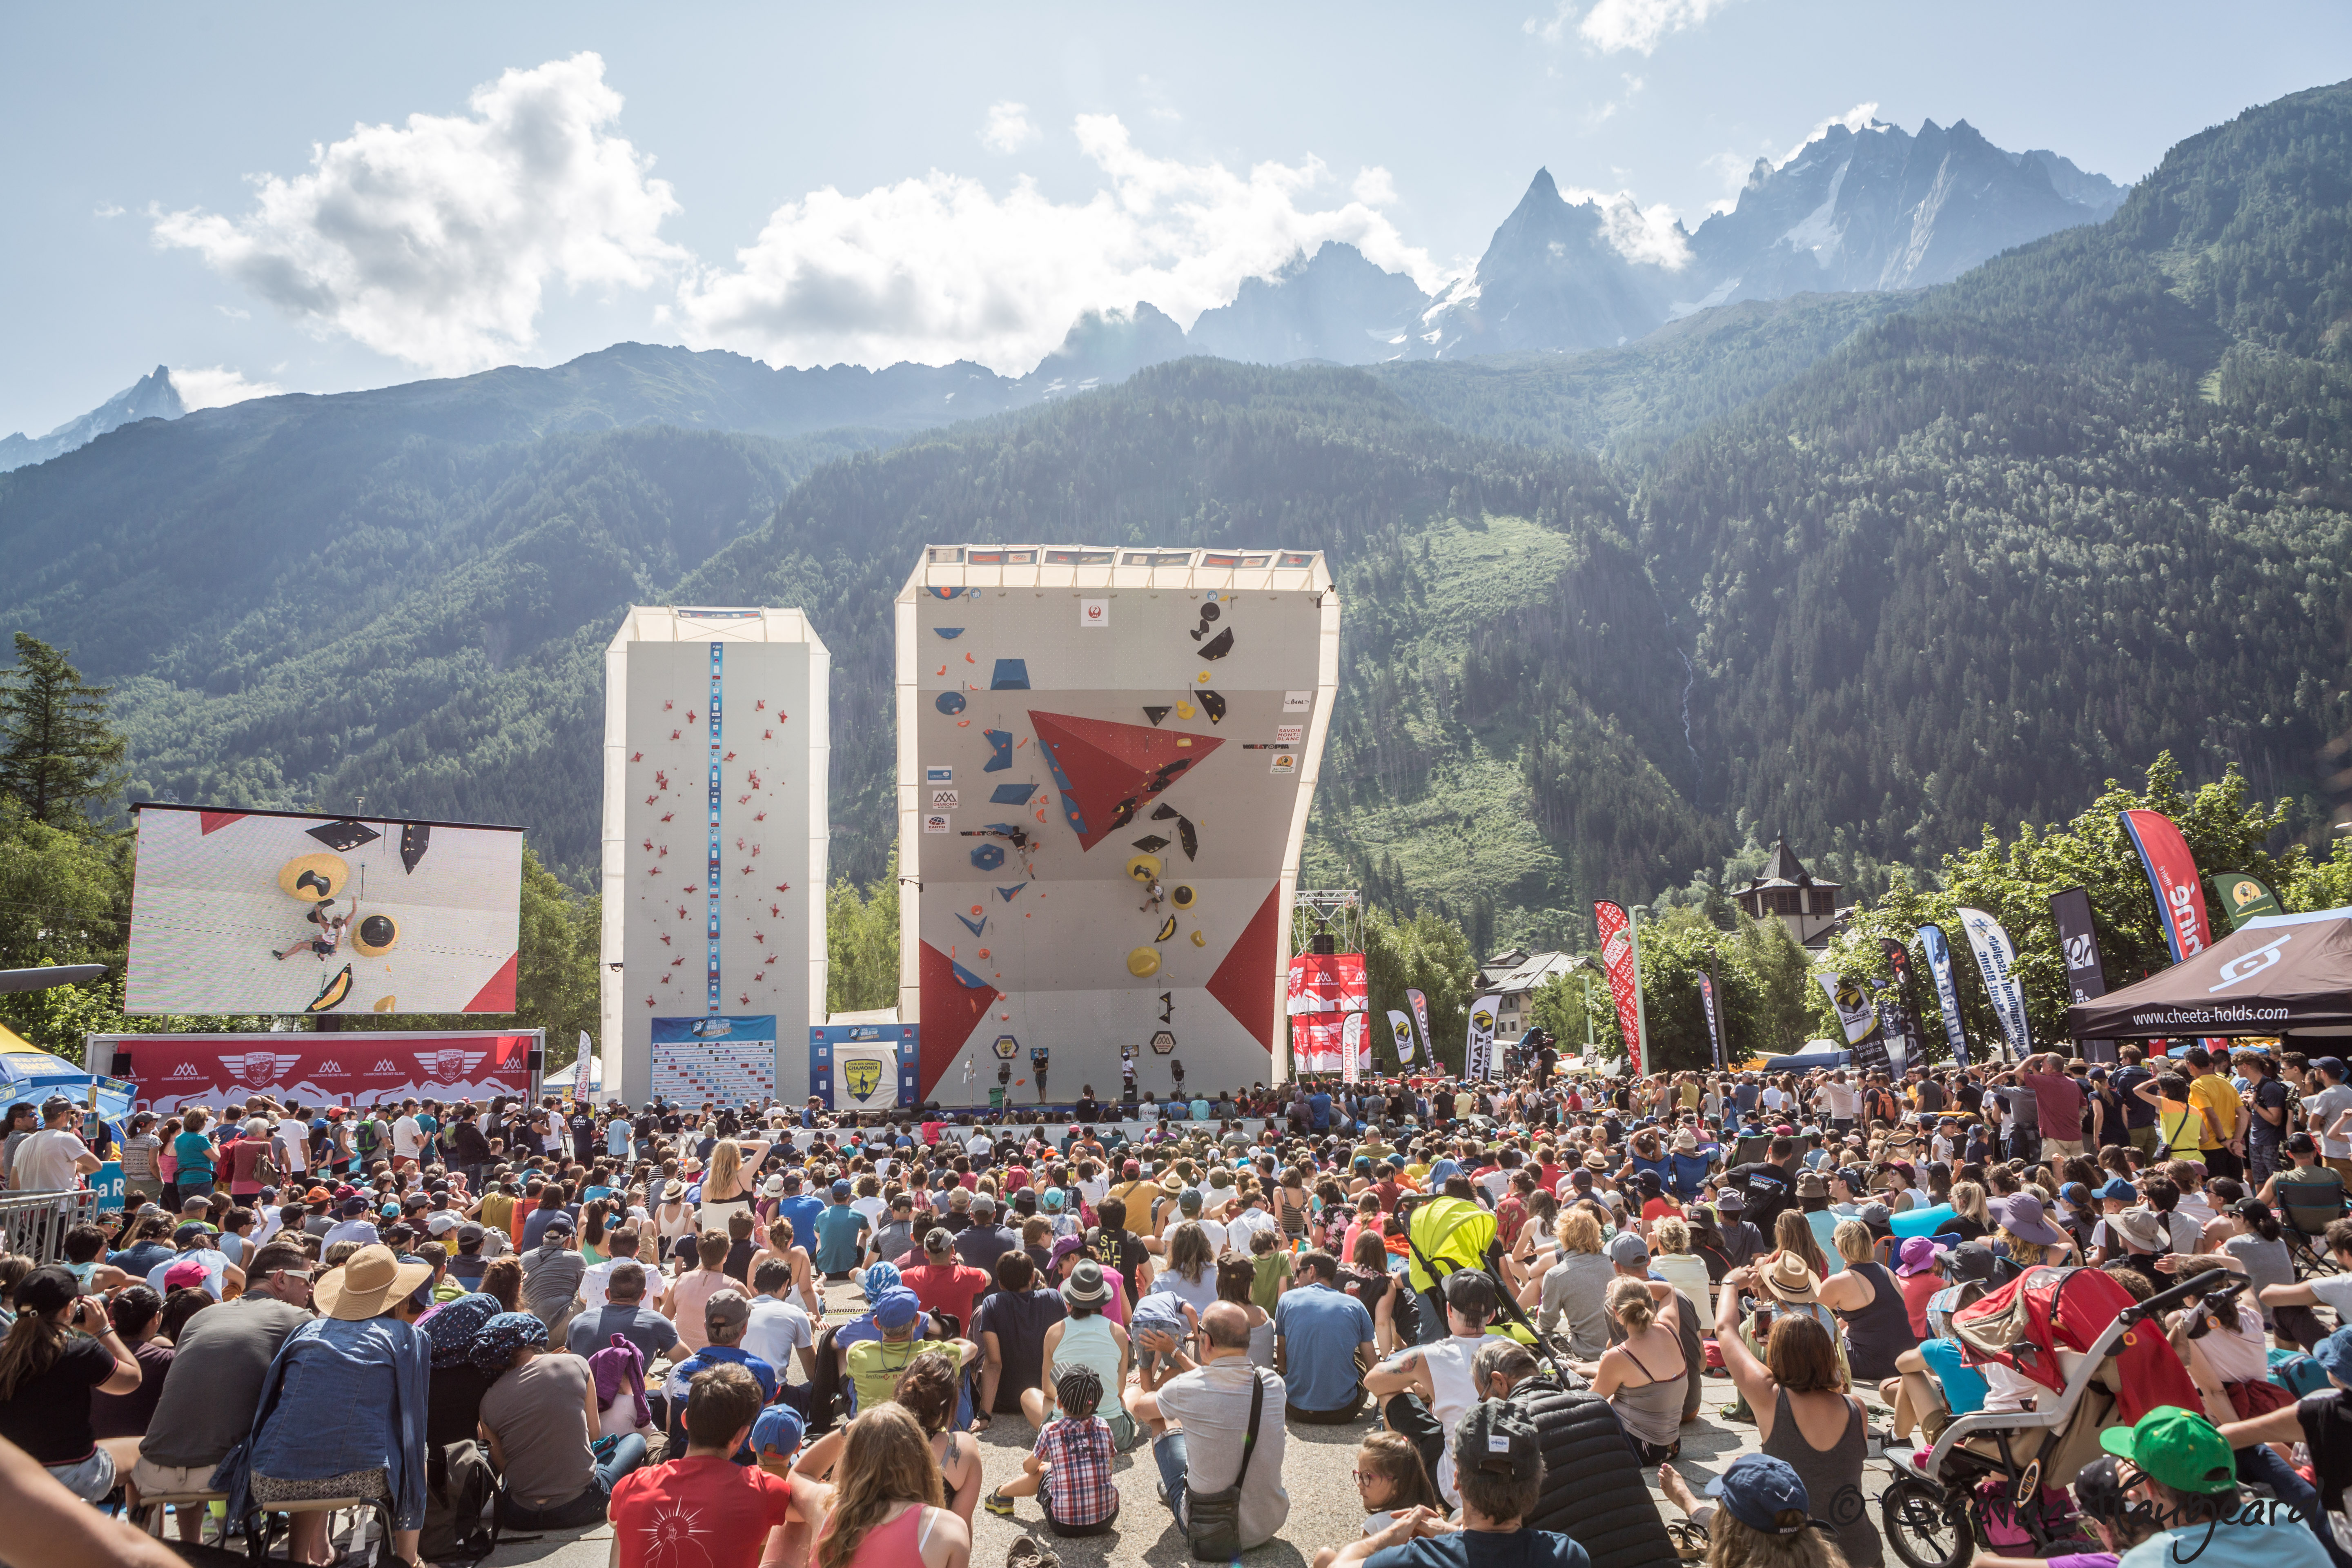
[344, 1407]
[2026, 1233]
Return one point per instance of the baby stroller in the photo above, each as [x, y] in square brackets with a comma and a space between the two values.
[2102, 1362]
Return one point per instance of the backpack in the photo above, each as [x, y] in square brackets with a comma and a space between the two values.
[458, 1487]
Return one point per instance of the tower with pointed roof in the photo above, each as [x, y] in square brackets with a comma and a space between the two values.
[1801, 901]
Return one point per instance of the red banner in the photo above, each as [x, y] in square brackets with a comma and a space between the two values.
[2172, 876]
[1624, 980]
[343, 1069]
[1316, 1040]
[1328, 983]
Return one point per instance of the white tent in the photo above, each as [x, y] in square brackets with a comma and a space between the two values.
[568, 1076]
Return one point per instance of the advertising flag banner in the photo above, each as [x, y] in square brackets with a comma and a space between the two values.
[1351, 1047]
[2172, 877]
[1948, 994]
[2078, 943]
[1858, 1015]
[1997, 961]
[1328, 982]
[1618, 959]
[1714, 1024]
[1419, 1005]
[1899, 1015]
[1478, 1055]
[2242, 898]
[1400, 1031]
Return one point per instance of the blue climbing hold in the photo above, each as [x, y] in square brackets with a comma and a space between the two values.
[1000, 750]
[949, 633]
[977, 927]
[949, 702]
[1012, 675]
[1006, 893]
[1012, 795]
[966, 978]
[988, 858]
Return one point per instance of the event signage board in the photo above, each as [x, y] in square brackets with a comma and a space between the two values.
[2172, 877]
[1996, 962]
[274, 911]
[2280, 973]
[1419, 1005]
[728, 1060]
[1933, 943]
[1316, 1038]
[351, 1068]
[1619, 959]
[1714, 1022]
[2243, 897]
[1400, 1031]
[1351, 1048]
[1328, 982]
[864, 1067]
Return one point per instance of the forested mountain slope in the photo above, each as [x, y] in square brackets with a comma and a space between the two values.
[2089, 502]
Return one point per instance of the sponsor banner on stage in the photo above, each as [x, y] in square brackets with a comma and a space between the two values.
[1315, 1040]
[1478, 1053]
[1419, 1005]
[1948, 996]
[1328, 982]
[725, 1060]
[1617, 958]
[349, 1067]
[1351, 1047]
[1996, 962]
[2086, 976]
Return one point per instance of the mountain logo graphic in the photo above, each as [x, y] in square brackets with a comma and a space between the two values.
[186, 1070]
[863, 1076]
[330, 1068]
[384, 1064]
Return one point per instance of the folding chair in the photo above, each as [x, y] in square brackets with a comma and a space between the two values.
[2309, 1208]
[258, 1527]
[148, 1515]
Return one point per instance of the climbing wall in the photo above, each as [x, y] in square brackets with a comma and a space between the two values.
[1068, 748]
[714, 851]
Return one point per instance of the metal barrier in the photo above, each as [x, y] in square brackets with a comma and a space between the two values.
[34, 1225]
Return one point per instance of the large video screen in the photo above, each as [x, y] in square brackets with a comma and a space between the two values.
[264, 911]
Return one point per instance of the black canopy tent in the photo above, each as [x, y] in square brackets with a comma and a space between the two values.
[2276, 974]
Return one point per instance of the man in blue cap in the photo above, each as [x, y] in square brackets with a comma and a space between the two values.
[841, 1232]
[874, 1366]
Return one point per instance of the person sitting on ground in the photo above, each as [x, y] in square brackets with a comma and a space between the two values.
[1644, 1376]
[1424, 1389]
[1011, 1328]
[875, 1366]
[1324, 1339]
[1802, 1412]
[1765, 1520]
[1390, 1478]
[885, 1510]
[2189, 1478]
[540, 1423]
[734, 1509]
[623, 1312]
[1500, 1462]
[1085, 1337]
[1069, 1470]
[1211, 1402]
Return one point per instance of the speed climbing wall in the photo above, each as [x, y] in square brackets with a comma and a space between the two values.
[1105, 759]
[714, 866]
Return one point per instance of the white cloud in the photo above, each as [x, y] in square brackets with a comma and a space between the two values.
[106, 209]
[1374, 186]
[1860, 116]
[232, 313]
[216, 386]
[1007, 128]
[434, 241]
[1611, 26]
[941, 268]
[1649, 234]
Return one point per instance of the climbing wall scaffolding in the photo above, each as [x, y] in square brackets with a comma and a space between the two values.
[1106, 761]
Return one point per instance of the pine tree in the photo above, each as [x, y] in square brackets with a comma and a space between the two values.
[60, 758]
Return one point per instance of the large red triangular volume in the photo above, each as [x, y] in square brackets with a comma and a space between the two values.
[1100, 766]
[949, 1014]
[497, 994]
[213, 821]
[1245, 982]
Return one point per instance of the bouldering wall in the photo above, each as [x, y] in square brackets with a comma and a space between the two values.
[1105, 760]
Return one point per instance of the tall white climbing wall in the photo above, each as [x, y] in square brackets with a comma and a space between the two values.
[714, 865]
[1106, 761]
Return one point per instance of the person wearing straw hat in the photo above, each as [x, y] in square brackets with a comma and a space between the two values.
[343, 1410]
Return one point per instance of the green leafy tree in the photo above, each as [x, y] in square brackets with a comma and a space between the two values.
[1427, 952]
[61, 758]
[64, 893]
[861, 940]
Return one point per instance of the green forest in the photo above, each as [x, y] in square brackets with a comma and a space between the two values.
[1907, 579]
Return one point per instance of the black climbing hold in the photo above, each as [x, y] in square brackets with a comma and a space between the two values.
[344, 836]
[1155, 715]
[1151, 844]
[1219, 646]
[414, 839]
[1187, 837]
[1213, 705]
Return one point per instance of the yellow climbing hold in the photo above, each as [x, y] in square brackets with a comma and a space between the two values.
[1200, 941]
[385, 1003]
[313, 878]
[1144, 868]
[1182, 896]
[1183, 710]
[1167, 929]
[1142, 962]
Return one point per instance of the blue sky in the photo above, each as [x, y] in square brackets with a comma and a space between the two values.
[929, 182]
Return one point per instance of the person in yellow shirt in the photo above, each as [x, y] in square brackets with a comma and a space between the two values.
[2222, 1142]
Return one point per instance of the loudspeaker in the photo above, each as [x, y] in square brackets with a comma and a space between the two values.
[1322, 943]
[119, 1065]
[537, 1060]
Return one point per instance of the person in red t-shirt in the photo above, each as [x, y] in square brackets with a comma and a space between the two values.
[941, 1283]
[704, 1508]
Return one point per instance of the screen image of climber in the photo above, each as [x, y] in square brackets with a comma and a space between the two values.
[267, 911]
